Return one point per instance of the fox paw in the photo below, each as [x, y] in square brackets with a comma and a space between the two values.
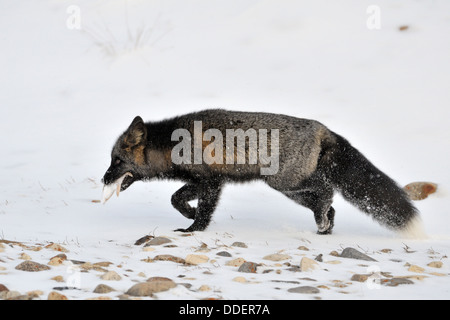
[182, 230]
[328, 231]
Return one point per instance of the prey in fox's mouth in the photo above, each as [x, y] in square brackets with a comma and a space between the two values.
[119, 185]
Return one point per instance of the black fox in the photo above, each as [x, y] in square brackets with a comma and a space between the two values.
[304, 160]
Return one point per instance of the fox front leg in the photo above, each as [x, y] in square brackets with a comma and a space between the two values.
[180, 200]
[209, 195]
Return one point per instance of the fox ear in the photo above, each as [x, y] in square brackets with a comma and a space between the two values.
[136, 133]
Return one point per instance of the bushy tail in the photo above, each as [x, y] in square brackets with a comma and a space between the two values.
[361, 183]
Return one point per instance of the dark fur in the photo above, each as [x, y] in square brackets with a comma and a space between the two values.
[313, 162]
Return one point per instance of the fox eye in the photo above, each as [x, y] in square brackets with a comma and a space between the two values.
[117, 162]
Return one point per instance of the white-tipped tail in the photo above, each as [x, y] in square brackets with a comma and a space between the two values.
[414, 229]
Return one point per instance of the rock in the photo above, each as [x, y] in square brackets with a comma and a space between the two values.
[355, 254]
[304, 289]
[3, 288]
[103, 298]
[157, 241]
[360, 277]
[56, 296]
[58, 279]
[169, 257]
[153, 285]
[435, 264]
[142, 240]
[303, 248]
[235, 262]
[307, 264]
[102, 264]
[240, 279]
[415, 268]
[239, 244]
[31, 266]
[111, 275]
[277, 257]
[24, 256]
[56, 247]
[196, 259]
[34, 294]
[420, 190]
[396, 281]
[10, 295]
[248, 267]
[204, 288]
[223, 254]
[103, 288]
[323, 287]
[57, 260]
[334, 253]
[65, 288]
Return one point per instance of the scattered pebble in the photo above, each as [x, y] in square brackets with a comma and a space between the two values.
[355, 254]
[56, 296]
[57, 260]
[416, 269]
[277, 257]
[169, 257]
[420, 190]
[396, 281]
[240, 279]
[196, 259]
[158, 241]
[103, 288]
[360, 277]
[307, 264]
[204, 288]
[239, 244]
[435, 264]
[24, 256]
[111, 275]
[56, 247]
[153, 285]
[235, 262]
[58, 279]
[223, 254]
[248, 267]
[31, 266]
[143, 240]
[304, 289]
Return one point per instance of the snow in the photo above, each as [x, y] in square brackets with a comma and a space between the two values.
[67, 94]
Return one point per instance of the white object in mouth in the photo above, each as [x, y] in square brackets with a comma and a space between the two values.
[108, 189]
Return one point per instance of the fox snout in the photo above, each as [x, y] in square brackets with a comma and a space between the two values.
[108, 177]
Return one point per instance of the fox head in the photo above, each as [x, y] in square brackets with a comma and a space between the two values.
[128, 155]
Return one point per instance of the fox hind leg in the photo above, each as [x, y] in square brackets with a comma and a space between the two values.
[317, 196]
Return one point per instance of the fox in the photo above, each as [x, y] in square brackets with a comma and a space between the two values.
[311, 163]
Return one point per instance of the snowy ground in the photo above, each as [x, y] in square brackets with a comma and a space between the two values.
[68, 93]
